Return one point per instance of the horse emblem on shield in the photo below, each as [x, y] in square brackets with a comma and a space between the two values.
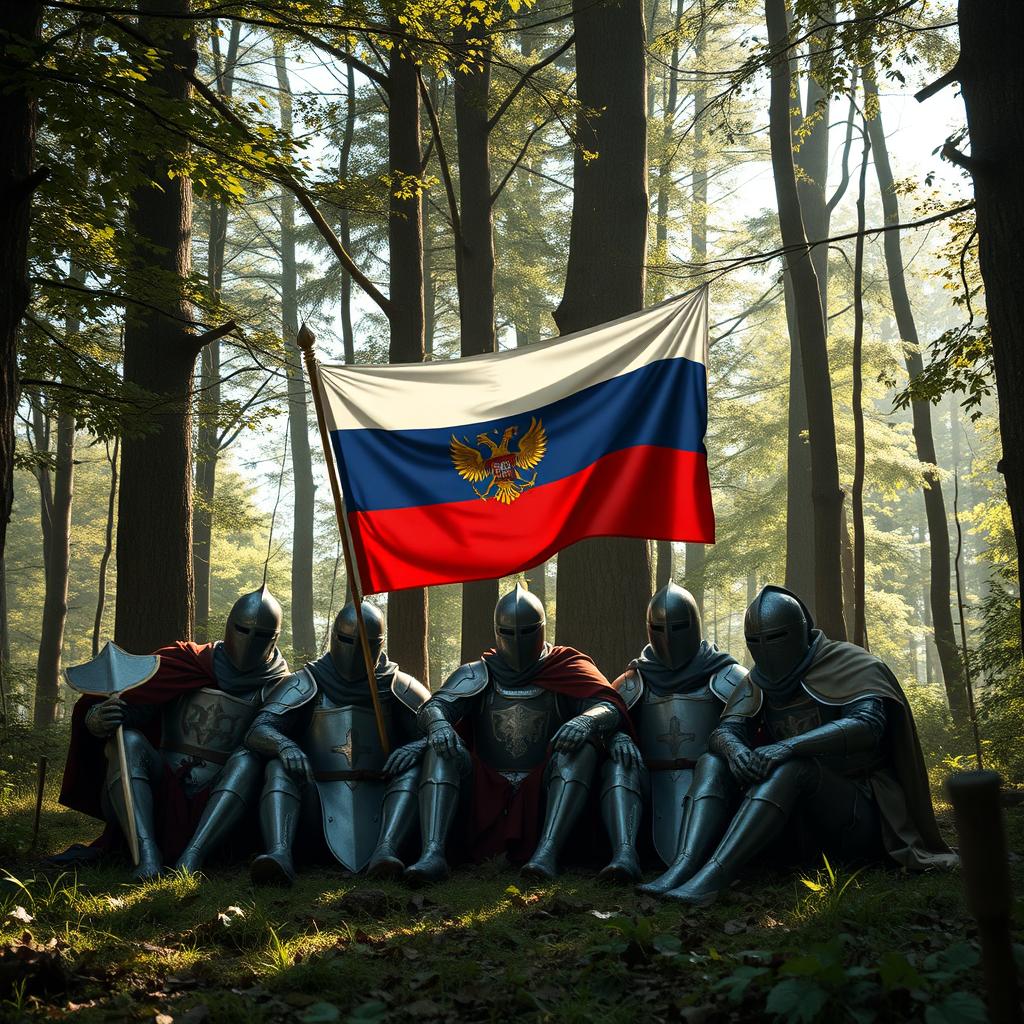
[503, 465]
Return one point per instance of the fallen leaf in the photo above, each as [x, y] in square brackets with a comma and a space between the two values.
[22, 915]
[321, 1013]
[603, 915]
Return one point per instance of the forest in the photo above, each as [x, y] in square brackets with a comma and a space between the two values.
[184, 183]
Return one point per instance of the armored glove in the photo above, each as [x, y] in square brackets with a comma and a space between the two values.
[773, 755]
[295, 762]
[403, 758]
[441, 734]
[747, 766]
[573, 734]
[103, 719]
[622, 750]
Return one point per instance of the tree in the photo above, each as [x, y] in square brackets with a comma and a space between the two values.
[604, 585]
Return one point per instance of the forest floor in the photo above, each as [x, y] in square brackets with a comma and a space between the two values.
[484, 946]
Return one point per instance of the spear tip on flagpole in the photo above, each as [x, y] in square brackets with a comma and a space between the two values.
[306, 339]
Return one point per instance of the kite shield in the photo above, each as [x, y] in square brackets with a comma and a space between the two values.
[109, 674]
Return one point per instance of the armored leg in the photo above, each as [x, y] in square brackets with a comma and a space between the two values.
[397, 820]
[144, 768]
[622, 807]
[708, 806]
[234, 792]
[279, 816]
[440, 788]
[760, 819]
[568, 785]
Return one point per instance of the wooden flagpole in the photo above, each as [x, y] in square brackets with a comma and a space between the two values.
[307, 342]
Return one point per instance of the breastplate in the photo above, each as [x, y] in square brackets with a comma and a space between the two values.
[208, 724]
[342, 740]
[512, 730]
[675, 726]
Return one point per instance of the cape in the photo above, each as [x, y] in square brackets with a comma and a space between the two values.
[354, 691]
[840, 673]
[504, 819]
[706, 662]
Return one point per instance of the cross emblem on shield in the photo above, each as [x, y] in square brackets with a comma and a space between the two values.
[675, 737]
[351, 748]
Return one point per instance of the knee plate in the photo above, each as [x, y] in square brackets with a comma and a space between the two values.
[142, 757]
[407, 782]
[240, 775]
[712, 778]
[617, 776]
[787, 783]
[277, 780]
[445, 770]
[577, 766]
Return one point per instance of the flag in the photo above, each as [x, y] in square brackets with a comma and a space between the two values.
[480, 467]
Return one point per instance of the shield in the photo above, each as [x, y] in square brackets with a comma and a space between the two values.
[676, 726]
[344, 749]
[668, 791]
[207, 723]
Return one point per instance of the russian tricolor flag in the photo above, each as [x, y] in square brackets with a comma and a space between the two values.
[481, 467]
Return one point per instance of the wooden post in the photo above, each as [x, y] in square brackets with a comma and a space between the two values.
[40, 790]
[307, 342]
[986, 870]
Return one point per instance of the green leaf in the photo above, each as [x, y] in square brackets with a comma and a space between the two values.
[736, 984]
[896, 971]
[957, 1008]
[668, 944]
[321, 1013]
[797, 1000]
[369, 1012]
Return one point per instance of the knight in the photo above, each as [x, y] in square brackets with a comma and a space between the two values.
[675, 692]
[512, 738]
[192, 782]
[842, 771]
[326, 767]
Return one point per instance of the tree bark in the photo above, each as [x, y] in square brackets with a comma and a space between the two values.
[924, 440]
[407, 609]
[827, 498]
[155, 598]
[603, 585]
[22, 23]
[474, 270]
[108, 547]
[304, 645]
[345, 225]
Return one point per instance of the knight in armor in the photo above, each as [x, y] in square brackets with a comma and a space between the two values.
[675, 692]
[512, 737]
[842, 770]
[326, 766]
[192, 781]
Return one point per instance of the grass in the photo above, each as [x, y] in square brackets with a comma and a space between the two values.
[482, 947]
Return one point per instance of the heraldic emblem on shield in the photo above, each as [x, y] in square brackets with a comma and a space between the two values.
[503, 465]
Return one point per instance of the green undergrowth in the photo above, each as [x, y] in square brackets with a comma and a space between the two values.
[823, 945]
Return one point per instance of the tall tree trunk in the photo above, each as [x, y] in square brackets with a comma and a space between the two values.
[155, 599]
[474, 266]
[604, 585]
[5, 628]
[993, 89]
[207, 432]
[108, 547]
[20, 23]
[345, 225]
[924, 441]
[827, 498]
[304, 645]
[407, 609]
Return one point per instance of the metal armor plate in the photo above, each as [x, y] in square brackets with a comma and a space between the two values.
[630, 686]
[668, 791]
[676, 726]
[345, 752]
[512, 732]
[208, 724]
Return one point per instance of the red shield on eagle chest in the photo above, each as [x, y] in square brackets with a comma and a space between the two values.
[503, 467]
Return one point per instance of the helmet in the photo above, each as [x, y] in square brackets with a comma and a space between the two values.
[778, 627]
[346, 649]
[673, 626]
[519, 628]
[252, 629]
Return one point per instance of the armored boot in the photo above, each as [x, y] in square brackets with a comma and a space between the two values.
[280, 802]
[143, 764]
[706, 816]
[232, 795]
[622, 808]
[568, 789]
[439, 803]
[399, 815]
[760, 820]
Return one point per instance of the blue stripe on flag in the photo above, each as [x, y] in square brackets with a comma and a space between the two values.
[664, 404]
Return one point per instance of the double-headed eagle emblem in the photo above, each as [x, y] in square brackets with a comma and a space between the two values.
[502, 465]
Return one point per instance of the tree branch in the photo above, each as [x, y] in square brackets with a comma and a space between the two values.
[518, 160]
[442, 159]
[951, 76]
[524, 78]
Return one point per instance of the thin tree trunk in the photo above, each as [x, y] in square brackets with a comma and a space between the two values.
[603, 585]
[22, 23]
[407, 609]
[155, 597]
[304, 645]
[474, 266]
[924, 441]
[5, 629]
[345, 226]
[827, 498]
[108, 547]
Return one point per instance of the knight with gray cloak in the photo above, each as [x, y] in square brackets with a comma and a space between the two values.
[326, 767]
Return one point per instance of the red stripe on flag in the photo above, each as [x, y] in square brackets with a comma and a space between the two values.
[656, 493]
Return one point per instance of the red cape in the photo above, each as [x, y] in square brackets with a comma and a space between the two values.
[184, 666]
[503, 819]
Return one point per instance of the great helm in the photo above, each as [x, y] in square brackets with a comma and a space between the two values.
[346, 650]
[519, 628]
[673, 626]
[252, 629]
[777, 627]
